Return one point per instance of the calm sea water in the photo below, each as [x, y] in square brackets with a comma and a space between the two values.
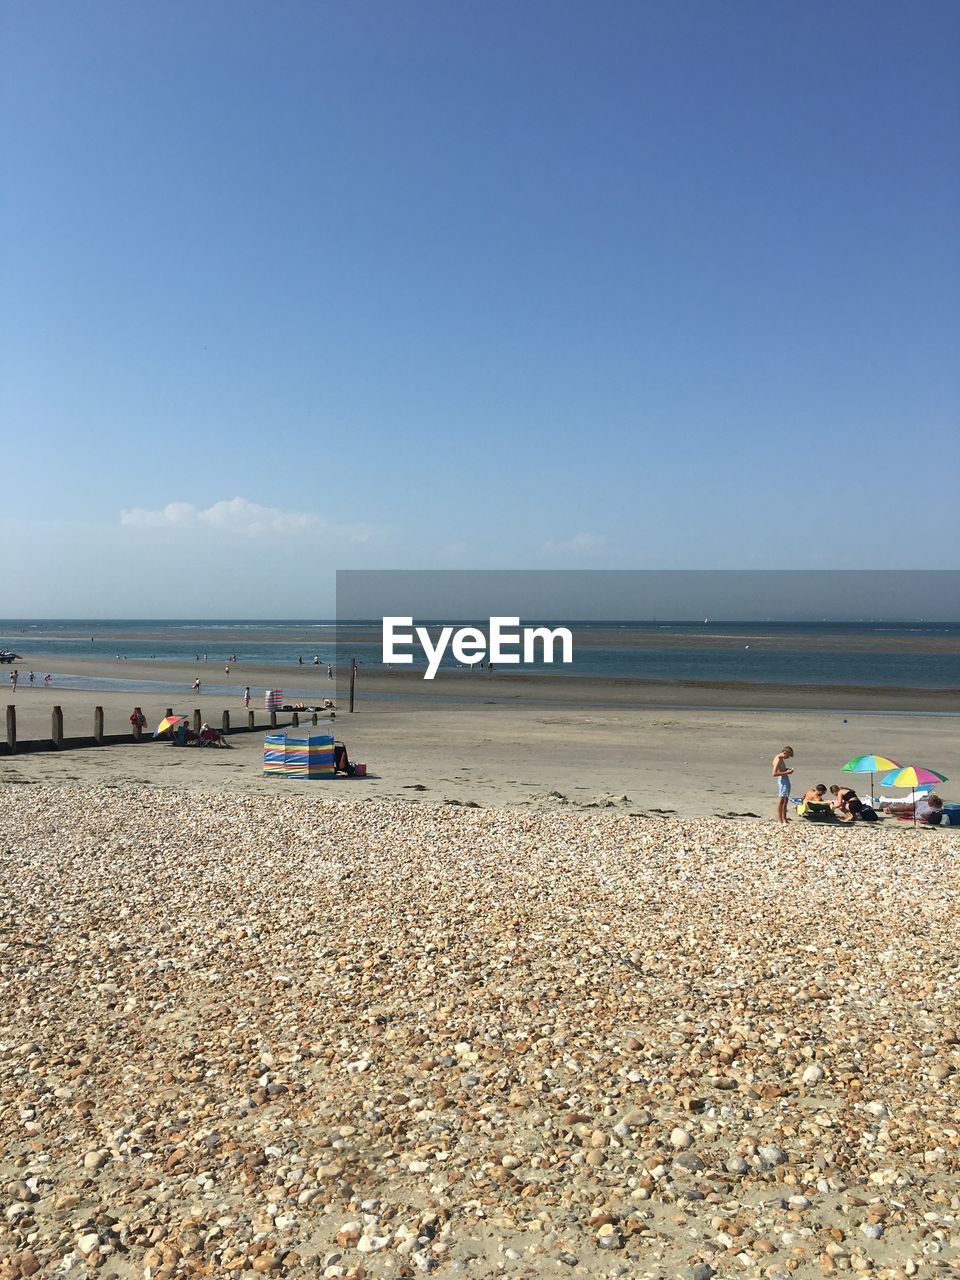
[284, 642]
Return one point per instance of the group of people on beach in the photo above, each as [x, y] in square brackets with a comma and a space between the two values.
[845, 804]
[31, 679]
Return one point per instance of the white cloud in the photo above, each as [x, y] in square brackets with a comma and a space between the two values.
[233, 515]
[579, 542]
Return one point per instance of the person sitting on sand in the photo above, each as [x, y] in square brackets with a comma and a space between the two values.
[928, 809]
[780, 772]
[847, 803]
[341, 762]
[815, 794]
[813, 805]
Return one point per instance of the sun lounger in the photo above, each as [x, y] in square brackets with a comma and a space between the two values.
[817, 811]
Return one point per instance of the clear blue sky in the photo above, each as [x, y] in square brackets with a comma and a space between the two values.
[482, 285]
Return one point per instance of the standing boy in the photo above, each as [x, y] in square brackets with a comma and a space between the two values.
[782, 775]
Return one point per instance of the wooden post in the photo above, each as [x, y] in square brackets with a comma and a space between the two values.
[353, 679]
[137, 726]
[12, 729]
[225, 723]
[250, 720]
[314, 720]
[56, 727]
[197, 722]
[98, 725]
[169, 711]
[273, 719]
[296, 720]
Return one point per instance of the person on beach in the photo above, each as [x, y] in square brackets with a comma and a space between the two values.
[14, 677]
[814, 806]
[928, 809]
[329, 672]
[47, 680]
[246, 696]
[847, 803]
[138, 719]
[30, 677]
[782, 774]
[226, 670]
[196, 685]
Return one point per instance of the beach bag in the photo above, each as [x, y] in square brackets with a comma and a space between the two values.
[868, 814]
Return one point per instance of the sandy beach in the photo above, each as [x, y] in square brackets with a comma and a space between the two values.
[502, 740]
[546, 993]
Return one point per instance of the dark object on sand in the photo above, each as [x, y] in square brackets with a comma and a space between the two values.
[341, 762]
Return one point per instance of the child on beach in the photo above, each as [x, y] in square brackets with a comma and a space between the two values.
[846, 802]
[782, 775]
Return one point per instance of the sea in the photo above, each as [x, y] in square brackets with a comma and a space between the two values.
[871, 655]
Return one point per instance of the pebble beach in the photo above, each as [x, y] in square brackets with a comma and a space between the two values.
[296, 1036]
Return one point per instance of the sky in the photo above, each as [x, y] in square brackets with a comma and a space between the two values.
[300, 287]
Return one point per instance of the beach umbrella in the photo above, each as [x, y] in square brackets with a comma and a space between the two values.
[913, 777]
[168, 722]
[871, 765]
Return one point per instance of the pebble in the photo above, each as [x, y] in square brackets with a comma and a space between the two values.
[363, 1037]
[772, 1155]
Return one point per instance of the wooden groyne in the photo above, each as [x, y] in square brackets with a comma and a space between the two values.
[135, 735]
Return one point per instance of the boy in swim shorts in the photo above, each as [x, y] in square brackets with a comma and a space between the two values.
[782, 775]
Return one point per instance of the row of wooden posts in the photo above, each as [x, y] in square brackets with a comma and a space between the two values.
[56, 741]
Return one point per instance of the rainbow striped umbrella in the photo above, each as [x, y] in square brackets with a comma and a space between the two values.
[871, 765]
[912, 777]
[168, 722]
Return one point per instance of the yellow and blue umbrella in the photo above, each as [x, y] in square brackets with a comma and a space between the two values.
[871, 765]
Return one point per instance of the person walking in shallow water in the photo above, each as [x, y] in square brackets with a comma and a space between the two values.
[782, 774]
[246, 696]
